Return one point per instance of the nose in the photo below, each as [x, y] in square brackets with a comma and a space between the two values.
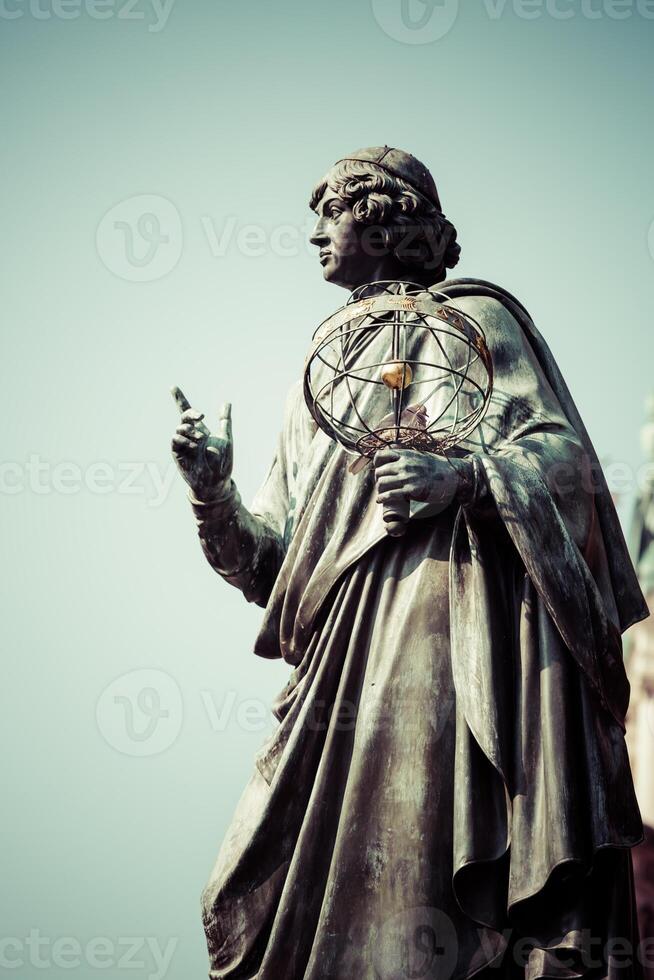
[318, 235]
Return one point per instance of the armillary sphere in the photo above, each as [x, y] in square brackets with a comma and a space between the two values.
[398, 365]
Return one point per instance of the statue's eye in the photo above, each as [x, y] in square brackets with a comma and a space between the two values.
[334, 212]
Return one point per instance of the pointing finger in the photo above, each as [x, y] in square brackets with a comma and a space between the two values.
[190, 415]
[190, 432]
[182, 401]
[181, 443]
[225, 423]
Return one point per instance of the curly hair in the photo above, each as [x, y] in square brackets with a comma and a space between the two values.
[411, 226]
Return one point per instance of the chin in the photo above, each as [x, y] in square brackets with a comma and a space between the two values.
[330, 274]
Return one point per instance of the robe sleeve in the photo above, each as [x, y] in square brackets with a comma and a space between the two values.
[533, 474]
[247, 547]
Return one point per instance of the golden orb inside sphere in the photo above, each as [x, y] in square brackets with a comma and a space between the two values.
[396, 375]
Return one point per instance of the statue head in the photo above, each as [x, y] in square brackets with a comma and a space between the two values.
[380, 217]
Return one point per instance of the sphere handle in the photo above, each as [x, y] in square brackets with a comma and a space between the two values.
[396, 517]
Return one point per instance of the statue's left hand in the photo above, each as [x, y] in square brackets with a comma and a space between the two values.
[402, 473]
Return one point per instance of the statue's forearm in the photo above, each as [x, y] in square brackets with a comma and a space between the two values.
[243, 548]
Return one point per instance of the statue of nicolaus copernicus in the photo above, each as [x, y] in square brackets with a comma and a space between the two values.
[447, 791]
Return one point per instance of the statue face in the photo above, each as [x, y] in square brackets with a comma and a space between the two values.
[350, 253]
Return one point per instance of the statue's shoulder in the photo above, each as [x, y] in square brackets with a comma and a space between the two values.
[296, 414]
[497, 312]
[294, 394]
[490, 304]
[488, 307]
[292, 401]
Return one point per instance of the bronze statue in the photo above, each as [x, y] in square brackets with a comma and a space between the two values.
[448, 790]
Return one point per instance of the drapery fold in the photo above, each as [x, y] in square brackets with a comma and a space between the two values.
[529, 766]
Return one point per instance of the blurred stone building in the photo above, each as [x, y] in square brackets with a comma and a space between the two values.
[640, 668]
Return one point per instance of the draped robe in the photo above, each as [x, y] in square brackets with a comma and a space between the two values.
[448, 783]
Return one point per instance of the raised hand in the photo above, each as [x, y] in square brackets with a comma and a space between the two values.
[205, 459]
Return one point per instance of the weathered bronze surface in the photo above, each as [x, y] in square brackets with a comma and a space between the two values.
[448, 789]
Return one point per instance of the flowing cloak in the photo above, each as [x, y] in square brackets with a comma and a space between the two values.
[448, 784]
